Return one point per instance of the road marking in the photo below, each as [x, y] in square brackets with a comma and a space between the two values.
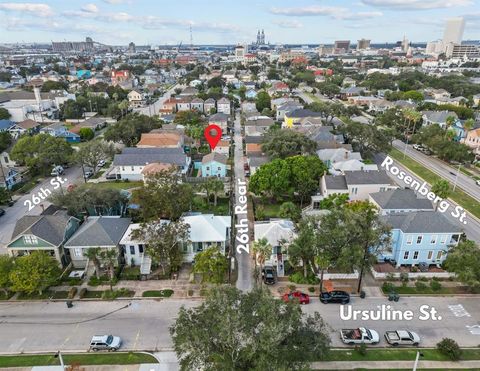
[136, 340]
[474, 329]
[459, 311]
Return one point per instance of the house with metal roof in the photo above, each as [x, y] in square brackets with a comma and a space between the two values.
[420, 237]
[43, 233]
[104, 232]
[399, 201]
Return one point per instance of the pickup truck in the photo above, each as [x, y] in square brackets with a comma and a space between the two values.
[402, 337]
[359, 335]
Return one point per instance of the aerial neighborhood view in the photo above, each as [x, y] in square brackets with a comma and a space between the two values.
[226, 185]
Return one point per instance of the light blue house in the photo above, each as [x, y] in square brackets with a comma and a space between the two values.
[9, 177]
[214, 164]
[6, 125]
[60, 131]
[420, 237]
[83, 74]
[250, 94]
[459, 130]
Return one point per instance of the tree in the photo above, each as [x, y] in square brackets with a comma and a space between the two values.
[217, 187]
[333, 201]
[110, 258]
[163, 196]
[291, 211]
[6, 266]
[262, 250]
[263, 101]
[286, 143]
[5, 140]
[164, 241]
[371, 236]
[129, 129]
[367, 139]
[232, 330]
[4, 114]
[212, 264]
[303, 247]
[93, 152]
[305, 173]
[34, 272]
[94, 255]
[41, 152]
[441, 188]
[4, 195]
[86, 134]
[72, 109]
[464, 261]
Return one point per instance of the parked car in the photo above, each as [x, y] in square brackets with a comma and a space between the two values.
[478, 182]
[111, 176]
[359, 335]
[296, 296]
[105, 342]
[101, 163]
[88, 173]
[336, 296]
[402, 337]
[269, 275]
[2, 212]
[57, 170]
[418, 147]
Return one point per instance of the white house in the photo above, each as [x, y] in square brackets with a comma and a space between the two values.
[223, 105]
[136, 99]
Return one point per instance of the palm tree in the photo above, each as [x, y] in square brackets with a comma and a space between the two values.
[217, 187]
[469, 124]
[110, 256]
[442, 189]
[448, 124]
[94, 254]
[262, 250]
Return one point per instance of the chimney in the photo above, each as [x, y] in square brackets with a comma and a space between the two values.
[36, 91]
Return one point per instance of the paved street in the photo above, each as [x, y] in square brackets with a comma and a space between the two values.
[143, 325]
[440, 168]
[7, 222]
[472, 228]
[244, 261]
[155, 107]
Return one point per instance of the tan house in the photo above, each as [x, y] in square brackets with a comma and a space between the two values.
[473, 140]
[161, 140]
[136, 99]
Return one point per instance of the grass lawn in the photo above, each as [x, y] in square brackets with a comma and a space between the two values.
[157, 293]
[130, 273]
[222, 208]
[115, 185]
[93, 294]
[45, 295]
[460, 197]
[6, 296]
[266, 210]
[427, 290]
[82, 359]
[397, 355]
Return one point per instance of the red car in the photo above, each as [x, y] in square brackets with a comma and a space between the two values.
[296, 296]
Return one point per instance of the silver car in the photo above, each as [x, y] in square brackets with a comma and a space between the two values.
[105, 342]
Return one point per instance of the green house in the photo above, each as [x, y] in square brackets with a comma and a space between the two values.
[43, 232]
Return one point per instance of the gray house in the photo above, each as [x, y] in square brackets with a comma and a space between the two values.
[399, 201]
[97, 231]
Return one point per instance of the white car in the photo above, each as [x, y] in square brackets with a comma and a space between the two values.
[359, 335]
[88, 173]
[402, 337]
[478, 182]
[101, 163]
[105, 342]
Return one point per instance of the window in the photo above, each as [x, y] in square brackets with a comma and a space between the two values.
[382, 189]
[30, 240]
[409, 240]
[405, 256]
[208, 168]
[439, 255]
[123, 168]
[430, 255]
[219, 168]
[133, 168]
[419, 240]
[199, 246]
[415, 255]
[140, 249]
[443, 239]
[455, 238]
[433, 239]
[132, 250]
[354, 191]
[77, 252]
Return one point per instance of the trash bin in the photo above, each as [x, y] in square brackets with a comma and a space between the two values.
[69, 304]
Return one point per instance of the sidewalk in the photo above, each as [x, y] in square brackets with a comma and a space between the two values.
[394, 365]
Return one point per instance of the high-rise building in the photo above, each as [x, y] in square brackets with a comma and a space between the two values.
[131, 48]
[260, 38]
[363, 44]
[73, 46]
[434, 47]
[463, 50]
[342, 46]
[454, 31]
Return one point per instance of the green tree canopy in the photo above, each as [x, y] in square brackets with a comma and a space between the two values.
[464, 261]
[286, 143]
[130, 128]
[4, 114]
[263, 101]
[212, 264]
[232, 330]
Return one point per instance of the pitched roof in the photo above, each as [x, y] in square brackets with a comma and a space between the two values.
[301, 112]
[275, 230]
[99, 231]
[215, 156]
[335, 182]
[142, 156]
[159, 139]
[367, 177]
[50, 228]
[6, 124]
[218, 117]
[207, 227]
[28, 124]
[421, 222]
[439, 116]
[155, 168]
[401, 199]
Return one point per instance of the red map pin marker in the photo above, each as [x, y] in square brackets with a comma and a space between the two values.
[215, 138]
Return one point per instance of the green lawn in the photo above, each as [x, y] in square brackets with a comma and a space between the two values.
[82, 359]
[397, 355]
[408, 290]
[93, 294]
[115, 185]
[47, 294]
[222, 208]
[460, 197]
[158, 293]
[5, 296]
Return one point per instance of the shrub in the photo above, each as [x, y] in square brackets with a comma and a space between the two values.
[158, 293]
[420, 286]
[82, 293]
[414, 269]
[424, 279]
[190, 292]
[292, 287]
[390, 277]
[298, 278]
[404, 278]
[311, 289]
[435, 285]
[450, 348]
[361, 349]
[72, 292]
[388, 287]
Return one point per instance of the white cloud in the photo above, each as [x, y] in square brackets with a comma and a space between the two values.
[327, 11]
[39, 10]
[417, 4]
[289, 24]
[115, 2]
[90, 8]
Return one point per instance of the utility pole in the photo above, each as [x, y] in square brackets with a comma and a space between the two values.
[456, 177]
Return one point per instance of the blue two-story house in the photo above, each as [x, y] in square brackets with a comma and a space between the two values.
[214, 164]
[60, 131]
[420, 237]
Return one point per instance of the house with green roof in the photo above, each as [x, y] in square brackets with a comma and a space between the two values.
[43, 233]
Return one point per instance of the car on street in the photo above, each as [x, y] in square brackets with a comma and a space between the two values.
[88, 173]
[2, 212]
[105, 342]
[269, 275]
[418, 147]
[101, 163]
[402, 337]
[57, 170]
[359, 335]
[336, 296]
[477, 182]
[452, 173]
[296, 296]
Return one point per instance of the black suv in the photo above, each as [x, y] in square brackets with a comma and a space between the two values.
[269, 275]
[335, 297]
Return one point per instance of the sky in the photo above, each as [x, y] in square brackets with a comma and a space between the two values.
[158, 22]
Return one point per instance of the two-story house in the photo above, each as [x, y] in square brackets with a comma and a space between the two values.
[136, 99]
[399, 201]
[214, 164]
[209, 106]
[224, 106]
[220, 119]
